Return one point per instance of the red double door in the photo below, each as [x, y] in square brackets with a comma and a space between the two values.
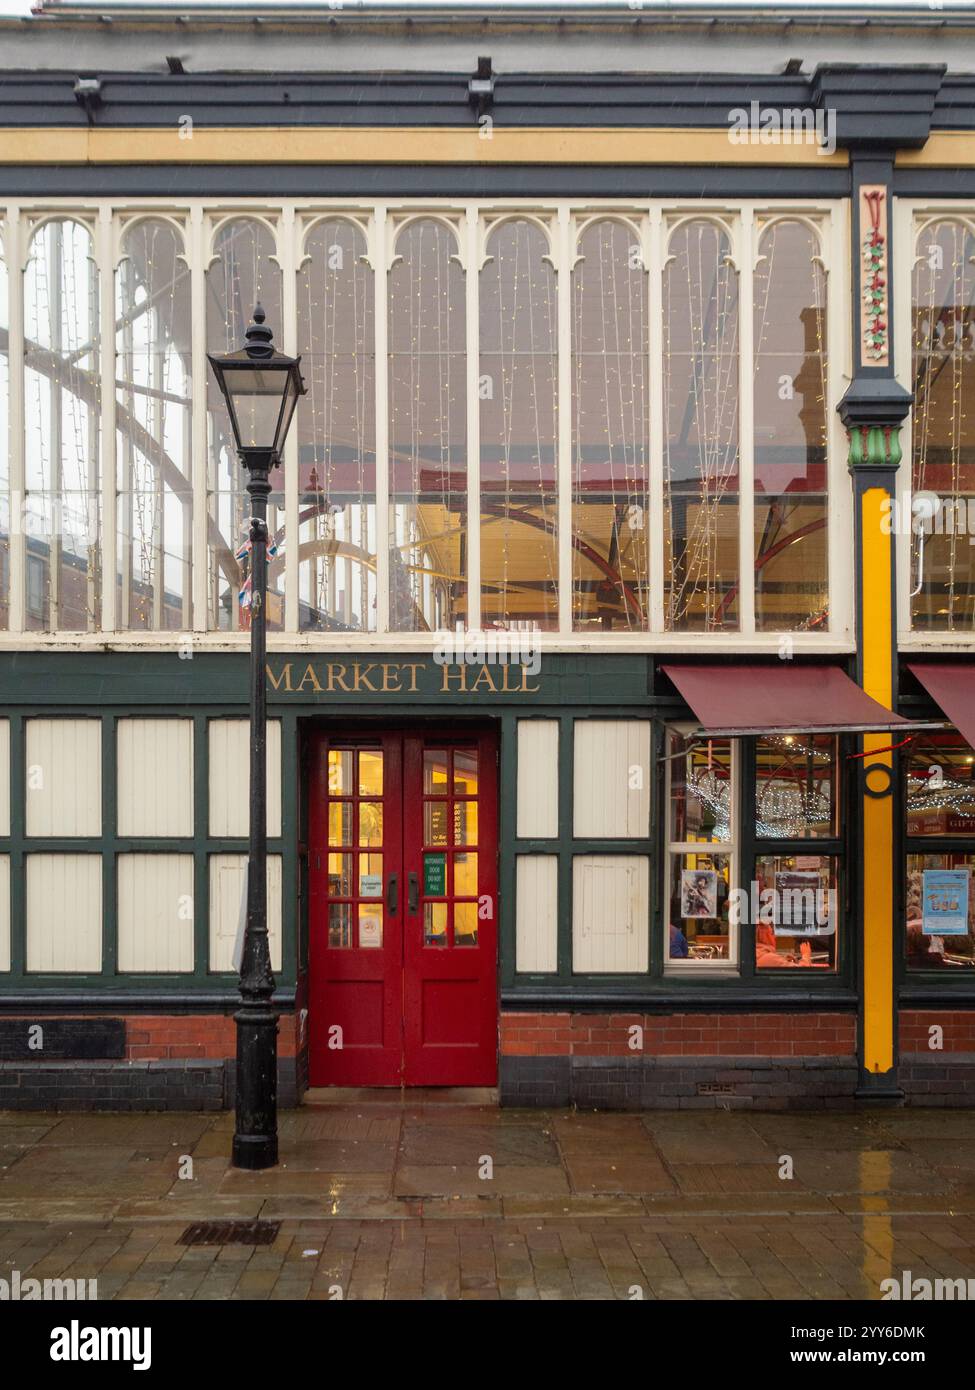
[403, 910]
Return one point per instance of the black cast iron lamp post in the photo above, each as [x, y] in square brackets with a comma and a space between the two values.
[261, 388]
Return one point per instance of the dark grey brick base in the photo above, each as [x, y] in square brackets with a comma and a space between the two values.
[191, 1084]
[680, 1083]
[938, 1078]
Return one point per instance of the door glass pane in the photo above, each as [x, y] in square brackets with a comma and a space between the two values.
[340, 771]
[434, 924]
[370, 875]
[370, 822]
[370, 774]
[465, 875]
[465, 822]
[340, 875]
[370, 926]
[339, 925]
[435, 823]
[465, 924]
[340, 823]
[465, 774]
[434, 770]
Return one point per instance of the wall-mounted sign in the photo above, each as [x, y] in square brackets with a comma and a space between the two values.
[435, 875]
[945, 898]
[424, 678]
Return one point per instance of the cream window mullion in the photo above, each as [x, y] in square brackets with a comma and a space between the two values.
[381, 260]
[564, 260]
[105, 253]
[15, 252]
[472, 291]
[199, 463]
[746, 425]
[656, 520]
[289, 259]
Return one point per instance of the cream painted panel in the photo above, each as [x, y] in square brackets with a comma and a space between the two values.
[536, 917]
[64, 776]
[230, 776]
[155, 777]
[4, 776]
[64, 912]
[611, 779]
[228, 875]
[610, 912]
[4, 912]
[538, 779]
[155, 912]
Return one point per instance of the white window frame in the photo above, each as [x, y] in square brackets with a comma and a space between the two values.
[909, 215]
[563, 218]
[729, 848]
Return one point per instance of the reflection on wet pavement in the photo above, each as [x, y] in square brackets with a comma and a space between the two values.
[449, 1197]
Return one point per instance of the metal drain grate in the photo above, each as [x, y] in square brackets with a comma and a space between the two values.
[230, 1233]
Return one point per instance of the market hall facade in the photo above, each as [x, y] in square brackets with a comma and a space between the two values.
[622, 593]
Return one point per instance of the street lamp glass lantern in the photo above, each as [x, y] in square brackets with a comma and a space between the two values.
[261, 388]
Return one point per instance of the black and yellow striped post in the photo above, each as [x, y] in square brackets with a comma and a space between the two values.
[873, 410]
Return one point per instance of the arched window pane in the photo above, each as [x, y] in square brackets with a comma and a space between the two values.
[791, 558]
[700, 371]
[337, 431]
[241, 274]
[427, 431]
[155, 486]
[518, 402]
[61, 421]
[943, 430]
[4, 445]
[610, 432]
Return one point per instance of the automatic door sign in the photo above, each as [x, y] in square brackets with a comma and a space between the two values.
[945, 894]
[434, 875]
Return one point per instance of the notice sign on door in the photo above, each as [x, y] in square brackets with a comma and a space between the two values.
[945, 894]
[434, 875]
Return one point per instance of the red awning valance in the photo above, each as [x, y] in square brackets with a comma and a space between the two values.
[951, 685]
[745, 698]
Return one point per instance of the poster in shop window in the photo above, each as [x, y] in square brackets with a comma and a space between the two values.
[945, 897]
[698, 893]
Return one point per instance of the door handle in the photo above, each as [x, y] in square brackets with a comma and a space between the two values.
[414, 894]
[392, 894]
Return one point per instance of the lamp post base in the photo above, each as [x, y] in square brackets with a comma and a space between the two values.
[255, 1151]
[256, 1130]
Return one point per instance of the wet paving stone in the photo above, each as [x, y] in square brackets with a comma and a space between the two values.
[387, 1201]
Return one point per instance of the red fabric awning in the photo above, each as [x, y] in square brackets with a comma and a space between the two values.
[744, 698]
[951, 684]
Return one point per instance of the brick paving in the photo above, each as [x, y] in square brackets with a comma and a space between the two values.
[429, 1198]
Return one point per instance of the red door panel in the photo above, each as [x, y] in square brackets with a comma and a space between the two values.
[403, 911]
[450, 857]
[355, 945]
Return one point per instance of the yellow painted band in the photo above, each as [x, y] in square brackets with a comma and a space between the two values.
[396, 145]
[878, 812]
